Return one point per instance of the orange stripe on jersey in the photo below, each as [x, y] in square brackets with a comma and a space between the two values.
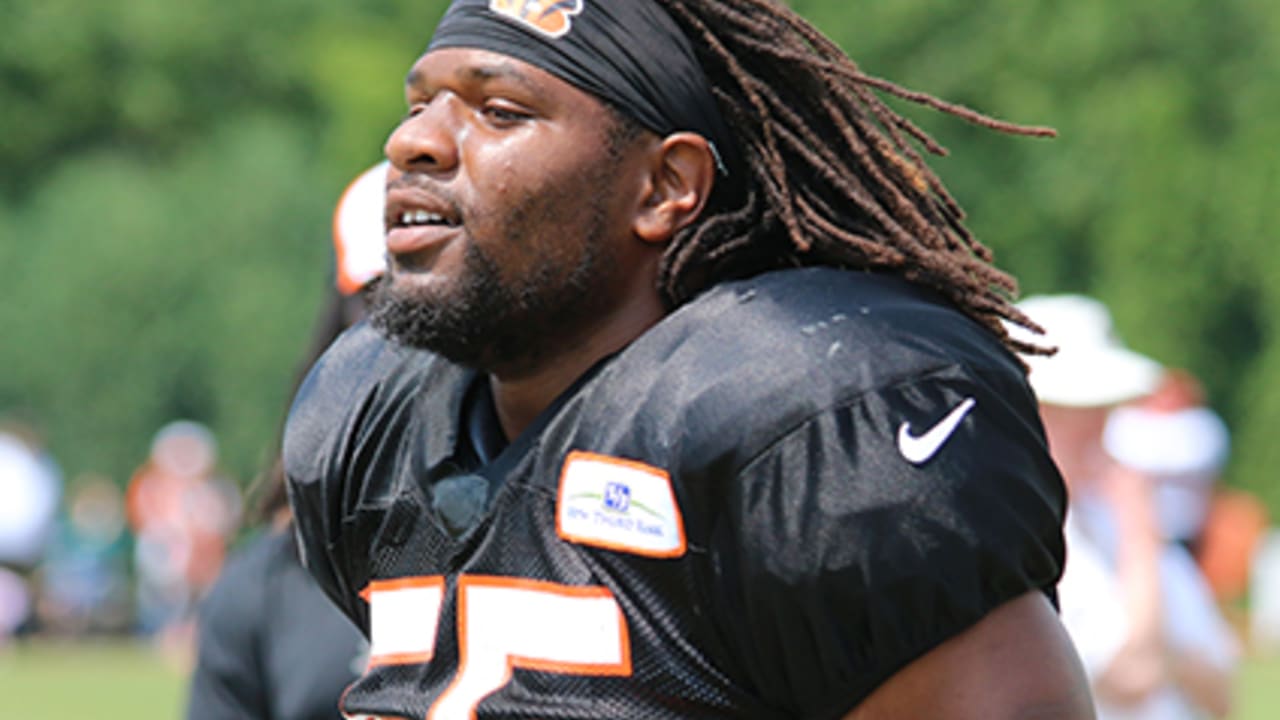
[509, 623]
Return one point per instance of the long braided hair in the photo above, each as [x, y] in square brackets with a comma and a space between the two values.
[832, 176]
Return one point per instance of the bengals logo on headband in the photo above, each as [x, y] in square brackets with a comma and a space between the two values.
[552, 18]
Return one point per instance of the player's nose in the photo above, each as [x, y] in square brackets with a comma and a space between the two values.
[426, 140]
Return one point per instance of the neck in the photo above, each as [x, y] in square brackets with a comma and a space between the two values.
[521, 393]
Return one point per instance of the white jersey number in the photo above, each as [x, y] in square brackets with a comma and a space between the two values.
[503, 624]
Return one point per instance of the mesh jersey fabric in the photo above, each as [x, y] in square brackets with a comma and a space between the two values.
[819, 559]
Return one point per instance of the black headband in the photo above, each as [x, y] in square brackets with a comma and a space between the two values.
[627, 52]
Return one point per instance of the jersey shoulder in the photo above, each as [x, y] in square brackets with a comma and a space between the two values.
[750, 360]
[360, 395]
[863, 330]
[367, 414]
[863, 463]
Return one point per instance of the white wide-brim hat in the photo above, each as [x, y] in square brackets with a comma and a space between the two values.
[359, 230]
[1092, 368]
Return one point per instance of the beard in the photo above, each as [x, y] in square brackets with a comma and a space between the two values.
[488, 323]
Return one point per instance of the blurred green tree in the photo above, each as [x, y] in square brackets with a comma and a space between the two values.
[170, 172]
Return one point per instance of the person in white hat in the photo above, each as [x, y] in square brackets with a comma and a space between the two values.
[1141, 615]
[1176, 438]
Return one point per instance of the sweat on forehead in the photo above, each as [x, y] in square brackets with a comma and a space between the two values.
[627, 52]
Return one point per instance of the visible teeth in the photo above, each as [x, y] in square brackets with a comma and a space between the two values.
[420, 217]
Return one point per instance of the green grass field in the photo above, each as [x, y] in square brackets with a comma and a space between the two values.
[99, 681]
[1258, 690]
[122, 681]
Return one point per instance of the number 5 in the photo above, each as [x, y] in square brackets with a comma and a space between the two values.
[503, 624]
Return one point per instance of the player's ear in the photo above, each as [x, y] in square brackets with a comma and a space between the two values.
[682, 170]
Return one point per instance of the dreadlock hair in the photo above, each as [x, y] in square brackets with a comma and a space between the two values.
[829, 175]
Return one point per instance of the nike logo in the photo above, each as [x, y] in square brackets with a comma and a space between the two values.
[919, 448]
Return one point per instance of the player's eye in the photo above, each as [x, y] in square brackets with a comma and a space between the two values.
[504, 113]
[417, 106]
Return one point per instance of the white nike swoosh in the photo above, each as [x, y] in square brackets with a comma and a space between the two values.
[919, 448]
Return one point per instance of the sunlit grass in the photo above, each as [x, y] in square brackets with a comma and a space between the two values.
[130, 681]
[1258, 690]
[84, 681]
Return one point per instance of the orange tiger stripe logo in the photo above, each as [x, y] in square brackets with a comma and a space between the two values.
[552, 18]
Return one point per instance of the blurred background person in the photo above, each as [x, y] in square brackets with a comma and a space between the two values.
[1173, 437]
[1237, 526]
[270, 645]
[30, 488]
[84, 581]
[182, 514]
[1141, 614]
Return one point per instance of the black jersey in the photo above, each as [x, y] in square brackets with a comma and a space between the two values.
[270, 645]
[763, 507]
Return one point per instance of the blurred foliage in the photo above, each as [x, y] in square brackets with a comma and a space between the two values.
[169, 171]
[169, 176]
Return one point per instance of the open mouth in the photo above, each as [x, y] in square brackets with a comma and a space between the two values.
[421, 218]
[417, 221]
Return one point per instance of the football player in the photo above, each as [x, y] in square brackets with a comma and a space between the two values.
[686, 393]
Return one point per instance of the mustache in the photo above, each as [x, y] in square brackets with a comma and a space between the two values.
[420, 182]
[428, 191]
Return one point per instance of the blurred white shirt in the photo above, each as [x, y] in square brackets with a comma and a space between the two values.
[1093, 613]
[29, 492]
[1183, 450]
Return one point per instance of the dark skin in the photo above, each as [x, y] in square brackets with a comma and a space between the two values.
[486, 132]
[1017, 663]
[487, 136]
